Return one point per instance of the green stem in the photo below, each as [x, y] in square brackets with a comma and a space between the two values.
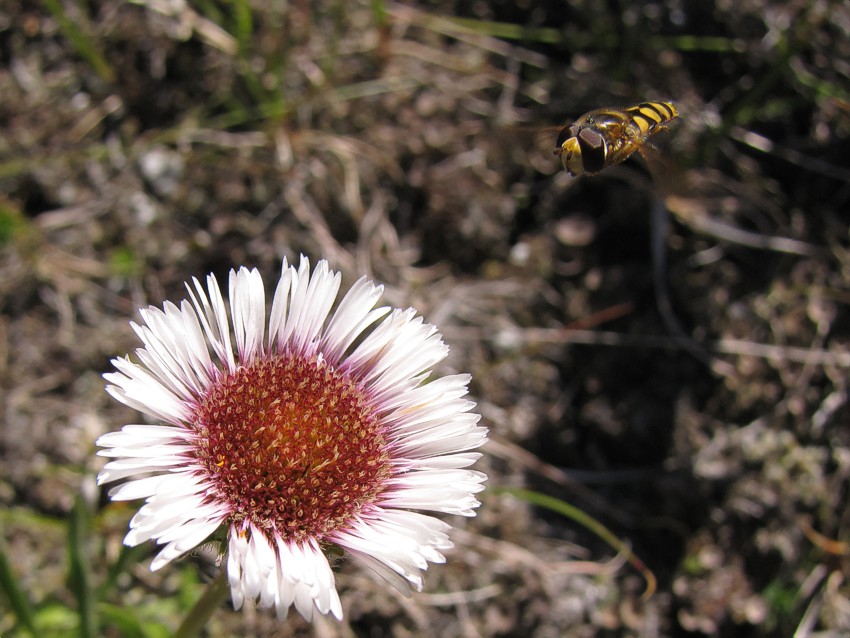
[205, 607]
[586, 521]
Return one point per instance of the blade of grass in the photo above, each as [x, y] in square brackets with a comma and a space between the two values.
[241, 29]
[243, 23]
[452, 25]
[204, 608]
[124, 619]
[82, 43]
[210, 10]
[698, 43]
[14, 594]
[127, 557]
[19, 166]
[379, 12]
[506, 30]
[588, 522]
[79, 573]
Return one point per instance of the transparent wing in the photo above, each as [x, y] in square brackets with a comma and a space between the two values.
[665, 174]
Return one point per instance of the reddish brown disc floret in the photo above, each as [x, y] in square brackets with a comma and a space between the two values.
[291, 445]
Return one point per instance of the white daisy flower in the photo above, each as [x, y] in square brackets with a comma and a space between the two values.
[326, 431]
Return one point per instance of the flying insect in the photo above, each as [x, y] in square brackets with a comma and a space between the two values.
[605, 137]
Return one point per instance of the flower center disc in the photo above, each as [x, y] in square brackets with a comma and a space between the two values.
[291, 445]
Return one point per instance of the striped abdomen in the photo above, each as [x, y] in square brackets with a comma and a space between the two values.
[648, 116]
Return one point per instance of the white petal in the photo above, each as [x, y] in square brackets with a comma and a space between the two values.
[213, 317]
[354, 314]
[396, 352]
[141, 436]
[174, 347]
[312, 300]
[403, 583]
[248, 312]
[280, 306]
[234, 568]
[141, 488]
[160, 452]
[299, 281]
[281, 574]
[402, 542]
[135, 387]
[428, 395]
[446, 462]
[189, 538]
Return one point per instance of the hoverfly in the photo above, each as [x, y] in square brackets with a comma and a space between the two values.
[608, 136]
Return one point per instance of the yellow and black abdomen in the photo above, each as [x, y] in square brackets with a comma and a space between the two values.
[647, 117]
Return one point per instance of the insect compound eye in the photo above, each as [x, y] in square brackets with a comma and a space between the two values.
[566, 133]
[593, 150]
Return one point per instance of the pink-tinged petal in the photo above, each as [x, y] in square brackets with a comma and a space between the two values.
[212, 314]
[236, 550]
[280, 307]
[319, 297]
[299, 282]
[355, 313]
[248, 312]
[138, 389]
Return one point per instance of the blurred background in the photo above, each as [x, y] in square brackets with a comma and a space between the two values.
[671, 357]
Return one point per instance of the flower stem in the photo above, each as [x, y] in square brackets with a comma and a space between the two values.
[204, 608]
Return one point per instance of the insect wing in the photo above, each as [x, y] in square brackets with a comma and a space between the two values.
[664, 172]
